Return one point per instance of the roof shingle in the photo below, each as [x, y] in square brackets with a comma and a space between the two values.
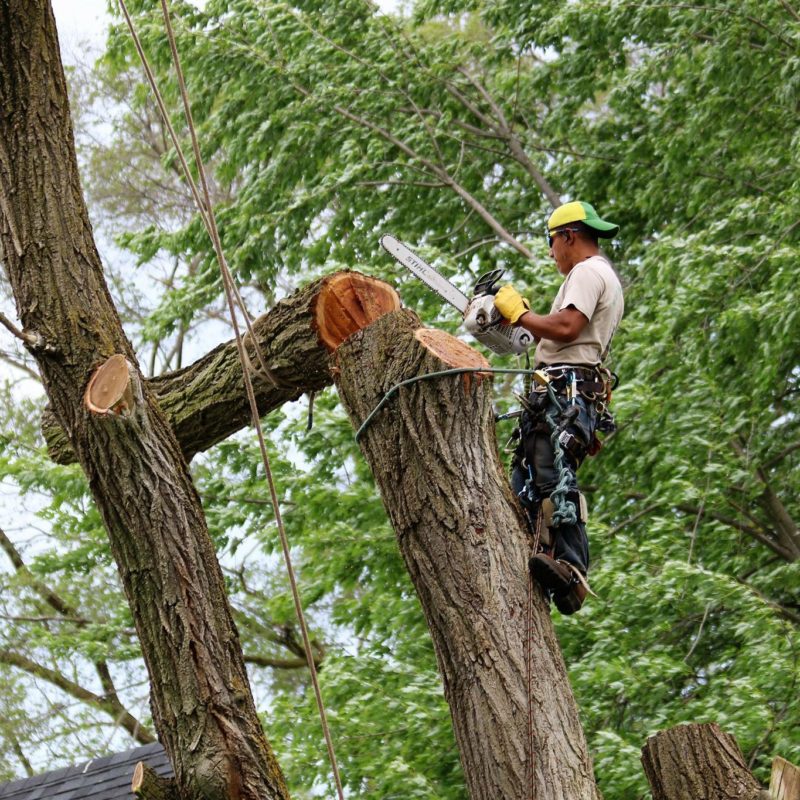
[107, 778]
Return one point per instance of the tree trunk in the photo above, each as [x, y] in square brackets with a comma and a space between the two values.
[200, 695]
[433, 453]
[698, 762]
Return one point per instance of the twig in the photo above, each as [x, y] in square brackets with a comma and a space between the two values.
[27, 338]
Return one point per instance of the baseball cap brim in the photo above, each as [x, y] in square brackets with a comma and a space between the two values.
[578, 211]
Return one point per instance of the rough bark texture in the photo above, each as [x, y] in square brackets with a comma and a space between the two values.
[205, 403]
[433, 452]
[200, 696]
[698, 762]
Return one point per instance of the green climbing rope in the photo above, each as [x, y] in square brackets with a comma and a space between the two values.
[443, 373]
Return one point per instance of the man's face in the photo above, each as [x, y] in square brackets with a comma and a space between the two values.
[561, 249]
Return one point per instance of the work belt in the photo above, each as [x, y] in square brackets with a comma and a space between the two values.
[589, 381]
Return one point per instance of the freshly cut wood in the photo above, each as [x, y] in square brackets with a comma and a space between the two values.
[149, 785]
[453, 352]
[109, 390]
[348, 302]
[784, 782]
[698, 762]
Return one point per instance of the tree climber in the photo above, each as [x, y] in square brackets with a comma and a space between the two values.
[569, 402]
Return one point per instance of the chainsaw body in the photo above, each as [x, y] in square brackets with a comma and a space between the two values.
[486, 324]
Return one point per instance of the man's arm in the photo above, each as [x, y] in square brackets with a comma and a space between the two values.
[563, 326]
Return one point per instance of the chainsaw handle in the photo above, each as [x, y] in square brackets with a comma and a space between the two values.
[487, 283]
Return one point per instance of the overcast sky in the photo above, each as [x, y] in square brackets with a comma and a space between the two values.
[80, 23]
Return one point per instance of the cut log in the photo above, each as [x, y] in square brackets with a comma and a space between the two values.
[349, 302]
[784, 783]
[205, 402]
[698, 762]
[433, 452]
[109, 390]
[149, 785]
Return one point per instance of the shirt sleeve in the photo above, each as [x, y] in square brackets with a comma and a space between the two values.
[583, 290]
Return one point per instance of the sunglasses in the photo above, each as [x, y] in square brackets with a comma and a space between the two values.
[551, 236]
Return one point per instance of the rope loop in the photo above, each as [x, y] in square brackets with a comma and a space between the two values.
[564, 511]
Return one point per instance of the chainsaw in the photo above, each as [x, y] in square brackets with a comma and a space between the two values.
[481, 319]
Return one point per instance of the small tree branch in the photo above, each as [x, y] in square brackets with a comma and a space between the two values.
[20, 754]
[778, 457]
[102, 703]
[16, 363]
[28, 338]
[280, 663]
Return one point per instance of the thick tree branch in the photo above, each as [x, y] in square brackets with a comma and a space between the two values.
[201, 700]
[206, 403]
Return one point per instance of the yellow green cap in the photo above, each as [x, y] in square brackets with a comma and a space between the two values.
[585, 213]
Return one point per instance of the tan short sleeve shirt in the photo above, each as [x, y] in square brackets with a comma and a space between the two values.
[594, 289]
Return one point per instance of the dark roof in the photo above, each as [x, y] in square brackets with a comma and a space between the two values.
[107, 778]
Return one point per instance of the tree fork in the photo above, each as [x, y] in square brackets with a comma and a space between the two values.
[433, 453]
[200, 695]
[205, 403]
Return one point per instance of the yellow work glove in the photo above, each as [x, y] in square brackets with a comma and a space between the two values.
[510, 303]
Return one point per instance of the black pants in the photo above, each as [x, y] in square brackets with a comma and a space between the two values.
[535, 475]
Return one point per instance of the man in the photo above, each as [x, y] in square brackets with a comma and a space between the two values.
[569, 402]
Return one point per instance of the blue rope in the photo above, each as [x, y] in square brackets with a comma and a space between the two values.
[564, 511]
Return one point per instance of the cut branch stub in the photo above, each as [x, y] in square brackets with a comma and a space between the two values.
[148, 785]
[348, 302]
[698, 762]
[784, 782]
[109, 390]
[453, 352]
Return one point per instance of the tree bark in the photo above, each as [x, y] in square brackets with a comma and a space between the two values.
[205, 403]
[698, 762]
[433, 453]
[200, 695]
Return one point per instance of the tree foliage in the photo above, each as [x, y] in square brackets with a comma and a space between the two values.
[329, 123]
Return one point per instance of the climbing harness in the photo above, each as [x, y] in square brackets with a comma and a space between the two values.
[548, 414]
[234, 300]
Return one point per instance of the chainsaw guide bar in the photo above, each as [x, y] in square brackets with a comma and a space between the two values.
[481, 318]
[404, 255]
